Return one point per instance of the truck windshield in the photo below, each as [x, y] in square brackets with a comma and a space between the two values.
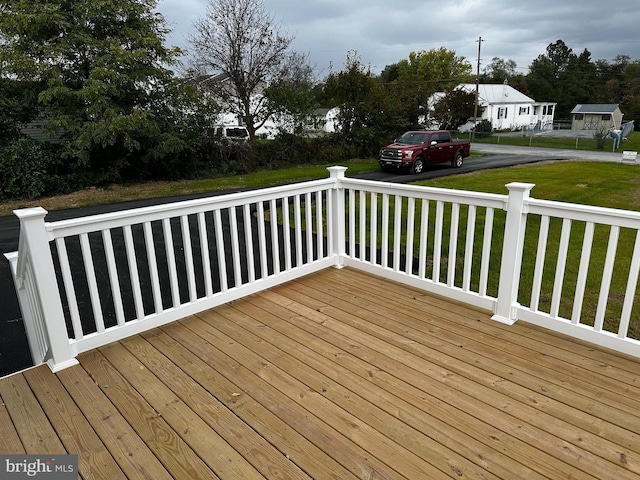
[413, 138]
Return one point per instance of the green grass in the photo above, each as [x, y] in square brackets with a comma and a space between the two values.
[121, 193]
[610, 185]
[599, 184]
[583, 143]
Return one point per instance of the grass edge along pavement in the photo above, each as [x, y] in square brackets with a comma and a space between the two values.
[588, 143]
[146, 190]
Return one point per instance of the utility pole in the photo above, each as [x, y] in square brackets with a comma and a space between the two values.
[475, 110]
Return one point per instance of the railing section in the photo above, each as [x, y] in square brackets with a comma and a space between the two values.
[580, 273]
[570, 268]
[105, 277]
[436, 239]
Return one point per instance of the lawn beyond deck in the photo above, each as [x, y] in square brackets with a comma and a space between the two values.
[336, 375]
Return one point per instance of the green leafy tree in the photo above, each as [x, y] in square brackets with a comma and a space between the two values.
[411, 82]
[363, 102]
[440, 67]
[611, 79]
[291, 97]
[101, 70]
[499, 70]
[18, 105]
[561, 76]
[454, 108]
[630, 102]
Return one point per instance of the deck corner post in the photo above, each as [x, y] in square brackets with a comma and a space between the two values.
[512, 249]
[36, 285]
[337, 216]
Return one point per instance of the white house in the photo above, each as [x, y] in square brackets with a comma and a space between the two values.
[323, 120]
[507, 108]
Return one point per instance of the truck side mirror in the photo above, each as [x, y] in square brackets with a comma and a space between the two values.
[433, 143]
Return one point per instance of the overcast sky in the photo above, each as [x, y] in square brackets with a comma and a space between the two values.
[384, 32]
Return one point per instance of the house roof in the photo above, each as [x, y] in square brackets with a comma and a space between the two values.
[595, 108]
[497, 93]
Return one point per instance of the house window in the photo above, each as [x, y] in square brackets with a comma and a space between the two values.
[524, 110]
[606, 117]
[502, 112]
[578, 116]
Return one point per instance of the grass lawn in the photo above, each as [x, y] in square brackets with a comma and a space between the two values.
[580, 143]
[599, 184]
[214, 183]
[590, 183]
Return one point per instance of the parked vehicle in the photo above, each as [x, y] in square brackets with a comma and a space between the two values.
[235, 132]
[416, 148]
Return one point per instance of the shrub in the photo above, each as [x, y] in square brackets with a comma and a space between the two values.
[484, 128]
[23, 168]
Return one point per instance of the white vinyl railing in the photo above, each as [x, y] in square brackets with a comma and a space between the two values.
[86, 282]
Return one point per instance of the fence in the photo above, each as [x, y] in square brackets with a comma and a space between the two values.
[89, 281]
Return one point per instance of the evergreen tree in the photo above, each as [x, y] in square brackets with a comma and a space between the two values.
[101, 72]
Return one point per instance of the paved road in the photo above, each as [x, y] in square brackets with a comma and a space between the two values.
[14, 350]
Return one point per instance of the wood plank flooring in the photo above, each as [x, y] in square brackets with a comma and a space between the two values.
[337, 375]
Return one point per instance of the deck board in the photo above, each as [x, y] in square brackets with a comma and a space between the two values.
[339, 375]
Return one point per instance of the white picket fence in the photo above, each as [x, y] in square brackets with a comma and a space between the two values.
[86, 282]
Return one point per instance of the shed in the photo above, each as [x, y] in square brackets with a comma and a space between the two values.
[596, 116]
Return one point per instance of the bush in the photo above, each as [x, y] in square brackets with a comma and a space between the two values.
[484, 129]
[31, 169]
[291, 150]
[23, 168]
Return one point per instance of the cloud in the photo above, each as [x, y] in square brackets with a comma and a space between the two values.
[384, 33]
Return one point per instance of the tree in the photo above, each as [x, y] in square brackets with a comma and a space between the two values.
[291, 97]
[499, 70]
[364, 116]
[100, 67]
[239, 44]
[454, 108]
[18, 105]
[441, 68]
[412, 82]
[630, 102]
[550, 76]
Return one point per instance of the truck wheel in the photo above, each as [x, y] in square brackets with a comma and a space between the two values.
[417, 166]
[457, 162]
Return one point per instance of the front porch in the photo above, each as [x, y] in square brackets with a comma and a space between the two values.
[337, 374]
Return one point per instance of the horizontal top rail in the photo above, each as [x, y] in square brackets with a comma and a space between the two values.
[105, 221]
[492, 200]
[586, 213]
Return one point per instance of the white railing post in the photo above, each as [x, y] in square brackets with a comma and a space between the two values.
[512, 249]
[336, 219]
[35, 279]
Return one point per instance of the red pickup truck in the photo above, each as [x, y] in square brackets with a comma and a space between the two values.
[416, 148]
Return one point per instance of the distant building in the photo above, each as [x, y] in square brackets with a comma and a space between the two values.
[323, 120]
[507, 108]
[36, 129]
[596, 116]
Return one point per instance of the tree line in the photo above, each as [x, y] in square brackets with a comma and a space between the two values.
[123, 106]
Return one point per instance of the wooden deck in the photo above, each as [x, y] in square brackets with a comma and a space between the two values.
[337, 375]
